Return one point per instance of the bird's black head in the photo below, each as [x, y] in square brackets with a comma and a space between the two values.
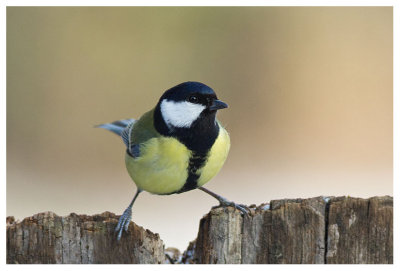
[187, 112]
[184, 90]
[185, 103]
[196, 93]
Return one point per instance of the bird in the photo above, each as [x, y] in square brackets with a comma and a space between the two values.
[176, 147]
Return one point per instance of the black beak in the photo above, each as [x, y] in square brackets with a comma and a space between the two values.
[217, 104]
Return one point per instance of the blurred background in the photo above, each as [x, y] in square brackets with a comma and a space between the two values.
[309, 92]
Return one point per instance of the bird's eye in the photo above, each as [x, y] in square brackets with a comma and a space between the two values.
[193, 99]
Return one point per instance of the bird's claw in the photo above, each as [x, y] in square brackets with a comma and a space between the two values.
[123, 222]
[242, 208]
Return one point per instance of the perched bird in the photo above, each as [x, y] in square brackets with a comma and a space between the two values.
[176, 147]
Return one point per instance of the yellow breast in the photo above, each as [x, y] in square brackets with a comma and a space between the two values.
[216, 158]
[163, 162]
[161, 167]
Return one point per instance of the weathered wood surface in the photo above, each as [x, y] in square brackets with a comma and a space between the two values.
[360, 230]
[48, 238]
[315, 230]
[341, 230]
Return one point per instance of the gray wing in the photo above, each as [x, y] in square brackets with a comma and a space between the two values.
[123, 128]
[133, 149]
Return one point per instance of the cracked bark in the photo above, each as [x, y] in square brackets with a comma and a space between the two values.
[48, 238]
[343, 230]
[360, 230]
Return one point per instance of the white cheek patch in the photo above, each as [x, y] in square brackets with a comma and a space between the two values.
[180, 114]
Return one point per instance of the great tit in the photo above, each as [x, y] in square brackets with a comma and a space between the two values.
[176, 147]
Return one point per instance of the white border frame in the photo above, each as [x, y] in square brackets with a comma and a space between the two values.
[396, 118]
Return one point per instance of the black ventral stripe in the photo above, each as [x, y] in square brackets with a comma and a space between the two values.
[195, 162]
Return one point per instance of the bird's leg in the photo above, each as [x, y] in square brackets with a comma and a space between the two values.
[224, 202]
[125, 218]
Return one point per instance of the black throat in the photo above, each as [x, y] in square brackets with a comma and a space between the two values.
[199, 138]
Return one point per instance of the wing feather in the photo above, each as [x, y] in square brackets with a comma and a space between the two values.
[133, 132]
[124, 128]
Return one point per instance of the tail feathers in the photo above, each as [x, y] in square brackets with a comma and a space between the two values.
[116, 127]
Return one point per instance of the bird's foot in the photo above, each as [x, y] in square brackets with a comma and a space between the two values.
[123, 222]
[242, 208]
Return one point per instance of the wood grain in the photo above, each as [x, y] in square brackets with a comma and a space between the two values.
[338, 230]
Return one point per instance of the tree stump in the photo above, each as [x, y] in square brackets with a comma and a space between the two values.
[48, 238]
[316, 230]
